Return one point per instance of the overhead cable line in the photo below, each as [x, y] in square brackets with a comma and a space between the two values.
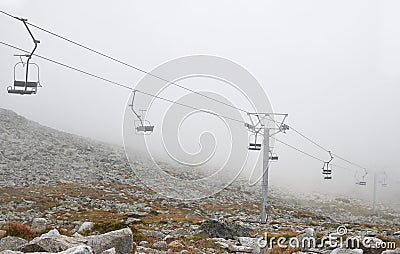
[124, 63]
[308, 154]
[326, 150]
[122, 85]
[154, 96]
[299, 150]
[158, 77]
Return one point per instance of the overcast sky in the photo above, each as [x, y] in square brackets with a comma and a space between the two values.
[332, 65]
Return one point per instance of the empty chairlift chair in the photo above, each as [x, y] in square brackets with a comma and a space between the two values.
[326, 170]
[384, 180]
[361, 180]
[253, 145]
[25, 86]
[142, 126]
[273, 156]
[362, 183]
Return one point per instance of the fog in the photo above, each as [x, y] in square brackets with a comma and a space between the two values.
[333, 66]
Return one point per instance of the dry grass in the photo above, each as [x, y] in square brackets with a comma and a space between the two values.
[18, 230]
[175, 215]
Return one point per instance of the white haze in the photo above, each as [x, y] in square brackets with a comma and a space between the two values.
[332, 65]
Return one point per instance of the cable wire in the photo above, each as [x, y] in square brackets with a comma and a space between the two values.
[124, 63]
[326, 150]
[300, 151]
[122, 85]
[310, 155]
[155, 76]
[156, 97]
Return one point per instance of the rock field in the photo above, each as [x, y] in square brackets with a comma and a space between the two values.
[61, 193]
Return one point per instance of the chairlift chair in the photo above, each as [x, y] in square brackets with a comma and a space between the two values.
[326, 170]
[361, 180]
[384, 183]
[273, 156]
[142, 126]
[26, 86]
[253, 145]
[327, 174]
[362, 183]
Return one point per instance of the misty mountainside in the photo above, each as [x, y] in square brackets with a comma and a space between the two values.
[67, 179]
[33, 154]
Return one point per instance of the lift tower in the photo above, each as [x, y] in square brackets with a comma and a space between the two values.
[265, 124]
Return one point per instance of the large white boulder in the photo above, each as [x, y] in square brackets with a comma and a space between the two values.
[39, 224]
[121, 240]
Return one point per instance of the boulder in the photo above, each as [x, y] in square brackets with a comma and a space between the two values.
[121, 240]
[51, 233]
[250, 243]
[145, 250]
[236, 248]
[371, 245]
[309, 232]
[143, 243]
[39, 225]
[52, 241]
[135, 214]
[152, 233]
[160, 245]
[179, 231]
[223, 229]
[11, 243]
[78, 250]
[86, 226]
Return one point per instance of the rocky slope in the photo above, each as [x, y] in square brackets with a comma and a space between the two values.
[67, 180]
